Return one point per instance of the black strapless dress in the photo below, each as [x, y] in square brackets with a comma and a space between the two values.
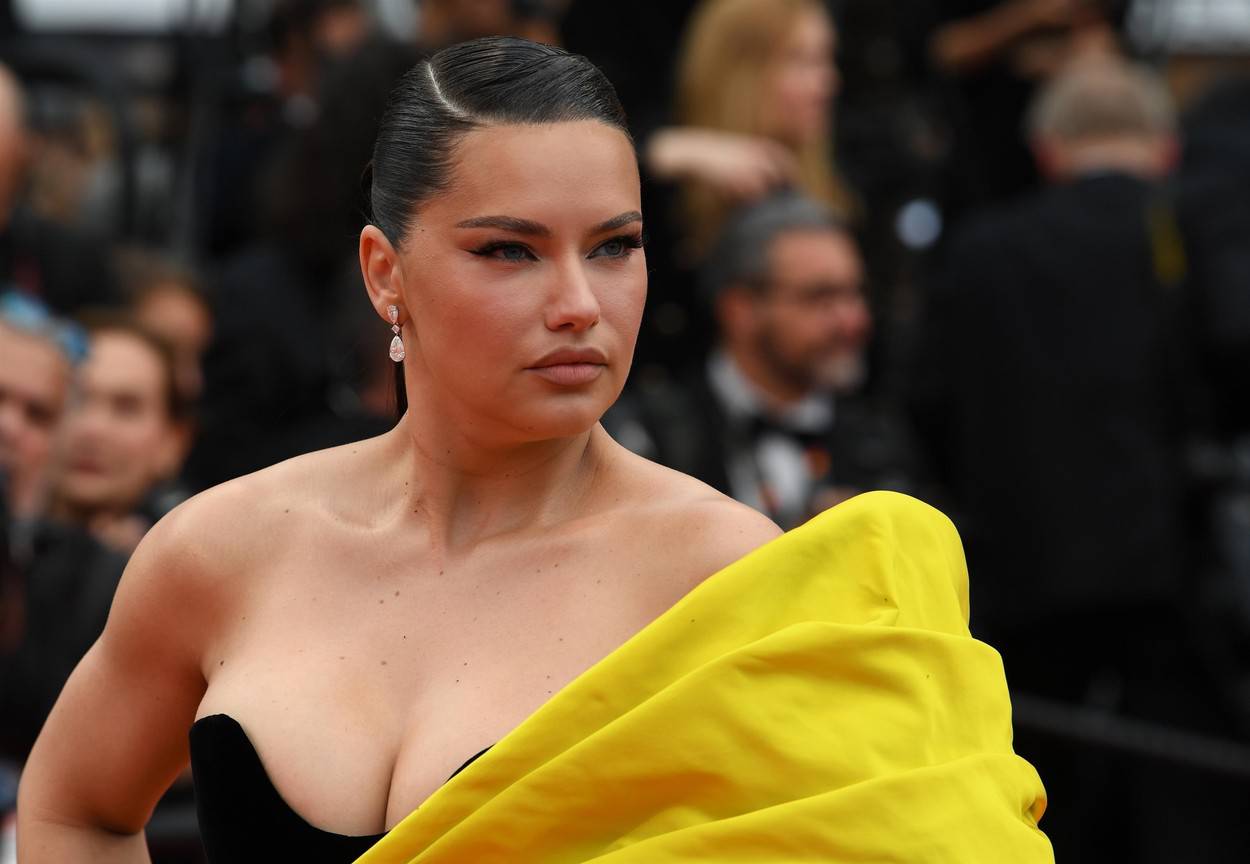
[243, 819]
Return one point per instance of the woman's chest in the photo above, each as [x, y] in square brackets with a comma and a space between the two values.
[361, 702]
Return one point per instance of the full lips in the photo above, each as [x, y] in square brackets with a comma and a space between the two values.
[570, 374]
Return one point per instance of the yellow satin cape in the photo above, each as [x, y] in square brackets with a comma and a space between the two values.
[820, 699]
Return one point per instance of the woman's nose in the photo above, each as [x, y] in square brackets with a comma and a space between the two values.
[573, 305]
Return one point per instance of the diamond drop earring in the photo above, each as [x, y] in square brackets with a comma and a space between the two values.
[397, 344]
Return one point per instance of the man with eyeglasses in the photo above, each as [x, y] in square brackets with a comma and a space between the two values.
[772, 416]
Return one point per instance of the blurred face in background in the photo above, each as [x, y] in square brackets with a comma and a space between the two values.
[811, 322]
[339, 30]
[800, 86]
[120, 437]
[34, 382]
[182, 319]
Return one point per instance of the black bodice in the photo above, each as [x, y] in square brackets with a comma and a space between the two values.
[243, 819]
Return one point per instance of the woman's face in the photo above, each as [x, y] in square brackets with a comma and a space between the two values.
[523, 283]
[803, 80]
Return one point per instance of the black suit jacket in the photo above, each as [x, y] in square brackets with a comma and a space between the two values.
[1050, 388]
[69, 582]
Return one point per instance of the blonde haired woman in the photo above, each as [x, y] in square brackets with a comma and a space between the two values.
[755, 87]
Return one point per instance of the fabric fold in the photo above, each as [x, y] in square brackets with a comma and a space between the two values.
[820, 699]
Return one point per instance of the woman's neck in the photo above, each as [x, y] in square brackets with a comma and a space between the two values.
[465, 492]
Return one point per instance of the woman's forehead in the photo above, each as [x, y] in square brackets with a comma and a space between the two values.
[581, 168]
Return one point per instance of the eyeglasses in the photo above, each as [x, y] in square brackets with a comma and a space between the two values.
[816, 296]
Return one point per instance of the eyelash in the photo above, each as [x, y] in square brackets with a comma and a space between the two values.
[630, 242]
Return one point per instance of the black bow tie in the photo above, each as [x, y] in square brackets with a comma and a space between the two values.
[759, 425]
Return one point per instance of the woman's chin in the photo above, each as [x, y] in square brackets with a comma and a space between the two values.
[565, 422]
[567, 413]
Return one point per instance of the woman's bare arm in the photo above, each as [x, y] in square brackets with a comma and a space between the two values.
[970, 43]
[118, 734]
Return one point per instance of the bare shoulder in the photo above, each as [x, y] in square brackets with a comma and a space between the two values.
[118, 734]
[717, 525]
[220, 527]
[696, 530]
[217, 540]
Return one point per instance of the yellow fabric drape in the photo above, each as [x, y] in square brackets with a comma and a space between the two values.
[820, 699]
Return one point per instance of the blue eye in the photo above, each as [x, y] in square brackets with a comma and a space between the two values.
[513, 253]
[618, 247]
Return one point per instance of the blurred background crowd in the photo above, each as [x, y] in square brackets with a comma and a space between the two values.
[993, 253]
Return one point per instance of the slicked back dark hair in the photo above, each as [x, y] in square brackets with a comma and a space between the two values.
[491, 81]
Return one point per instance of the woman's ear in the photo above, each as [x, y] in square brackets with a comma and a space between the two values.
[379, 265]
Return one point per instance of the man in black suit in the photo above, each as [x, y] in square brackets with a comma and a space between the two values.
[1052, 386]
[770, 416]
[1047, 382]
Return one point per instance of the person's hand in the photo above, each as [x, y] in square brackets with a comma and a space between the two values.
[1052, 13]
[1043, 57]
[740, 167]
[1095, 40]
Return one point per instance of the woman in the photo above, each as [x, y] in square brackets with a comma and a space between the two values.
[348, 626]
[756, 82]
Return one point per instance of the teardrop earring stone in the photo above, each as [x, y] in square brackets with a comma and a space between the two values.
[397, 349]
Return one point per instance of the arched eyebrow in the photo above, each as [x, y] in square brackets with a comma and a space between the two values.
[507, 223]
[617, 222]
[537, 229]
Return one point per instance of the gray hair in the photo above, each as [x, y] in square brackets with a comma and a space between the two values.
[1102, 98]
[740, 255]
